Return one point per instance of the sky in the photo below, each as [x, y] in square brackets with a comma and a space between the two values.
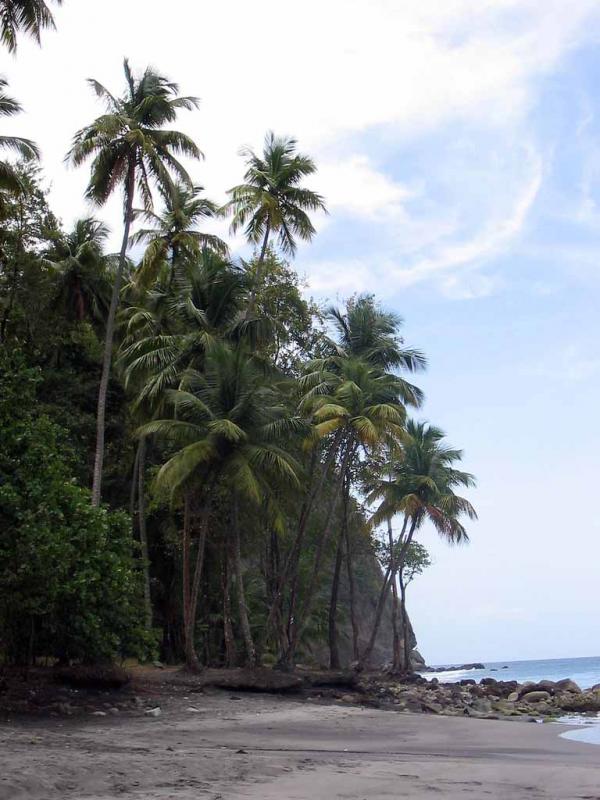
[458, 151]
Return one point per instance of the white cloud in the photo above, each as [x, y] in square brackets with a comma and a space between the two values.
[356, 187]
[357, 81]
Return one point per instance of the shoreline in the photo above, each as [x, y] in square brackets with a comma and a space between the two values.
[234, 746]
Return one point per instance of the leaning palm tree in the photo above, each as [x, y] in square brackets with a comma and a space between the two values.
[272, 201]
[27, 16]
[420, 487]
[228, 430]
[129, 148]
[173, 234]
[10, 182]
[80, 265]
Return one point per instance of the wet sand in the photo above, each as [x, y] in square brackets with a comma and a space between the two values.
[266, 747]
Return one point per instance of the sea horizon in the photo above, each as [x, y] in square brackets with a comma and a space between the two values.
[584, 670]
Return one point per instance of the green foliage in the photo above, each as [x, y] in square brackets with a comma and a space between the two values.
[68, 584]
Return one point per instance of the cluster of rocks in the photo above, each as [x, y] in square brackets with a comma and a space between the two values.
[489, 698]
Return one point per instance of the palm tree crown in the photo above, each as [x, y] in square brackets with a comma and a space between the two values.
[271, 199]
[422, 483]
[129, 145]
[174, 234]
[29, 16]
[84, 285]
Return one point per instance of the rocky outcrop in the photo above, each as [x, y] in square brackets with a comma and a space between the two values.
[489, 698]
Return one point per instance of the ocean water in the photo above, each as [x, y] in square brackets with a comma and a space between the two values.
[584, 671]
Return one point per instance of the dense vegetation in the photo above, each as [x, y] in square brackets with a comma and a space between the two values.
[242, 446]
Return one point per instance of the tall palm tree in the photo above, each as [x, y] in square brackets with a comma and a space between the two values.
[420, 487]
[129, 148]
[367, 344]
[228, 430]
[174, 234]
[28, 16]
[271, 200]
[360, 406]
[10, 181]
[84, 286]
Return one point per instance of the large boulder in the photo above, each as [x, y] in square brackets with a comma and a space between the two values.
[542, 686]
[582, 702]
[567, 685]
[535, 697]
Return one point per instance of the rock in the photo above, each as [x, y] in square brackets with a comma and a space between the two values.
[433, 708]
[98, 713]
[153, 712]
[542, 686]
[482, 705]
[467, 682]
[488, 682]
[158, 665]
[513, 697]
[114, 711]
[567, 685]
[585, 701]
[348, 698]
[595, 687]
[504, 667]
[535, 697]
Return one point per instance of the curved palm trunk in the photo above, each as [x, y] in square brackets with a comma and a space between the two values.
[259, 271]
[406, 662]
[108, 341]
[396, 657]
[239, 577]
[230, 649]
[300, 624]
[144, 532]
[351, 592]
[366, 655]
[289, 574]
[334, 654]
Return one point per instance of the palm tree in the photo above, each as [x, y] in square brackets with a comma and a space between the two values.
[29, 16]
[367, 344]
[421, 488]
[10, 182]
[130, 147]
[228, 430]
[360, 406]
[272, 201]
[173, 234]
[84, 287]
[176, 323]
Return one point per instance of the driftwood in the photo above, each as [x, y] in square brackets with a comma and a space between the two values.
[109, 676]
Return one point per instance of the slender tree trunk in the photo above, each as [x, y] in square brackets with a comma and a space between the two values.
[190, 655]
[383, 595]
[230, 649]
[396, 657]
[108, 341]
[144, 532]
[134, 484]
[239, 577]
[289, 574]
[300, 623]
[259, 271]
[351, 592]
[334, 654]
[192, 658]
[406, 644]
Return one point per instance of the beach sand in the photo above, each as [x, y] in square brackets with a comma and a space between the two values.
[267, 747]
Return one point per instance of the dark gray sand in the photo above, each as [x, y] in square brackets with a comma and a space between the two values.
[212, 746]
